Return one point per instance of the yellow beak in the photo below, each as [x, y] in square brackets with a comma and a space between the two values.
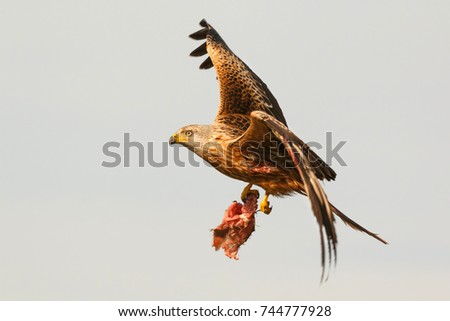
[178, 138]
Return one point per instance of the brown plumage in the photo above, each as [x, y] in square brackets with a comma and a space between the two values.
[250, 141]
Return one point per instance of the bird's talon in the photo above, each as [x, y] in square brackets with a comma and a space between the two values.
[265, 205]
[266, 209]
[247, 191]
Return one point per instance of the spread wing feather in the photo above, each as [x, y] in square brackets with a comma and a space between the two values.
[241, 90]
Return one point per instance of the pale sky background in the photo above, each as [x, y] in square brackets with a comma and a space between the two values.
[77, 74]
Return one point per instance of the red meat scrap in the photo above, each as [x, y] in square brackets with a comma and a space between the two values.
[237, 225]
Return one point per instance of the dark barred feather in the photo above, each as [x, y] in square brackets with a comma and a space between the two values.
[199, 51]
[206, 64]
[199, 35]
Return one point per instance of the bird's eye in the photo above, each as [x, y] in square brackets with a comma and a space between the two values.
[188, 133]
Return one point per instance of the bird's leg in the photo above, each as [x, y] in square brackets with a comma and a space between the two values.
[247, 190]
[265, 204]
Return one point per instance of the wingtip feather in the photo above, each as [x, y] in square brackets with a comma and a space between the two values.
[199, 51]
[206, 64]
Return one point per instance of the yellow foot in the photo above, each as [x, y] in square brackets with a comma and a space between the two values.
[265, 205]
[247, 190]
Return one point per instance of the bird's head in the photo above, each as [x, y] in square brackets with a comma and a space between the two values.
[191, 136]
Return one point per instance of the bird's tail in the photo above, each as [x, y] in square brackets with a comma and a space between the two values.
[309, 185]
[348, 221]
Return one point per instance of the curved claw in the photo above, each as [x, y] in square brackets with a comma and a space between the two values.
[265, 205]
[247, 190]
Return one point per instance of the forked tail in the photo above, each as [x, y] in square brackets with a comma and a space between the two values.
[309, 185]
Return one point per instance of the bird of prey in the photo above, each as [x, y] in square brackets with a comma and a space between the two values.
[250, 141]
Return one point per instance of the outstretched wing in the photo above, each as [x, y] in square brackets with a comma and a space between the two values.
[241, 90]
[310, 168]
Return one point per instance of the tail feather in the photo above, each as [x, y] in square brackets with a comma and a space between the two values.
[309, 185]
[348, 221]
